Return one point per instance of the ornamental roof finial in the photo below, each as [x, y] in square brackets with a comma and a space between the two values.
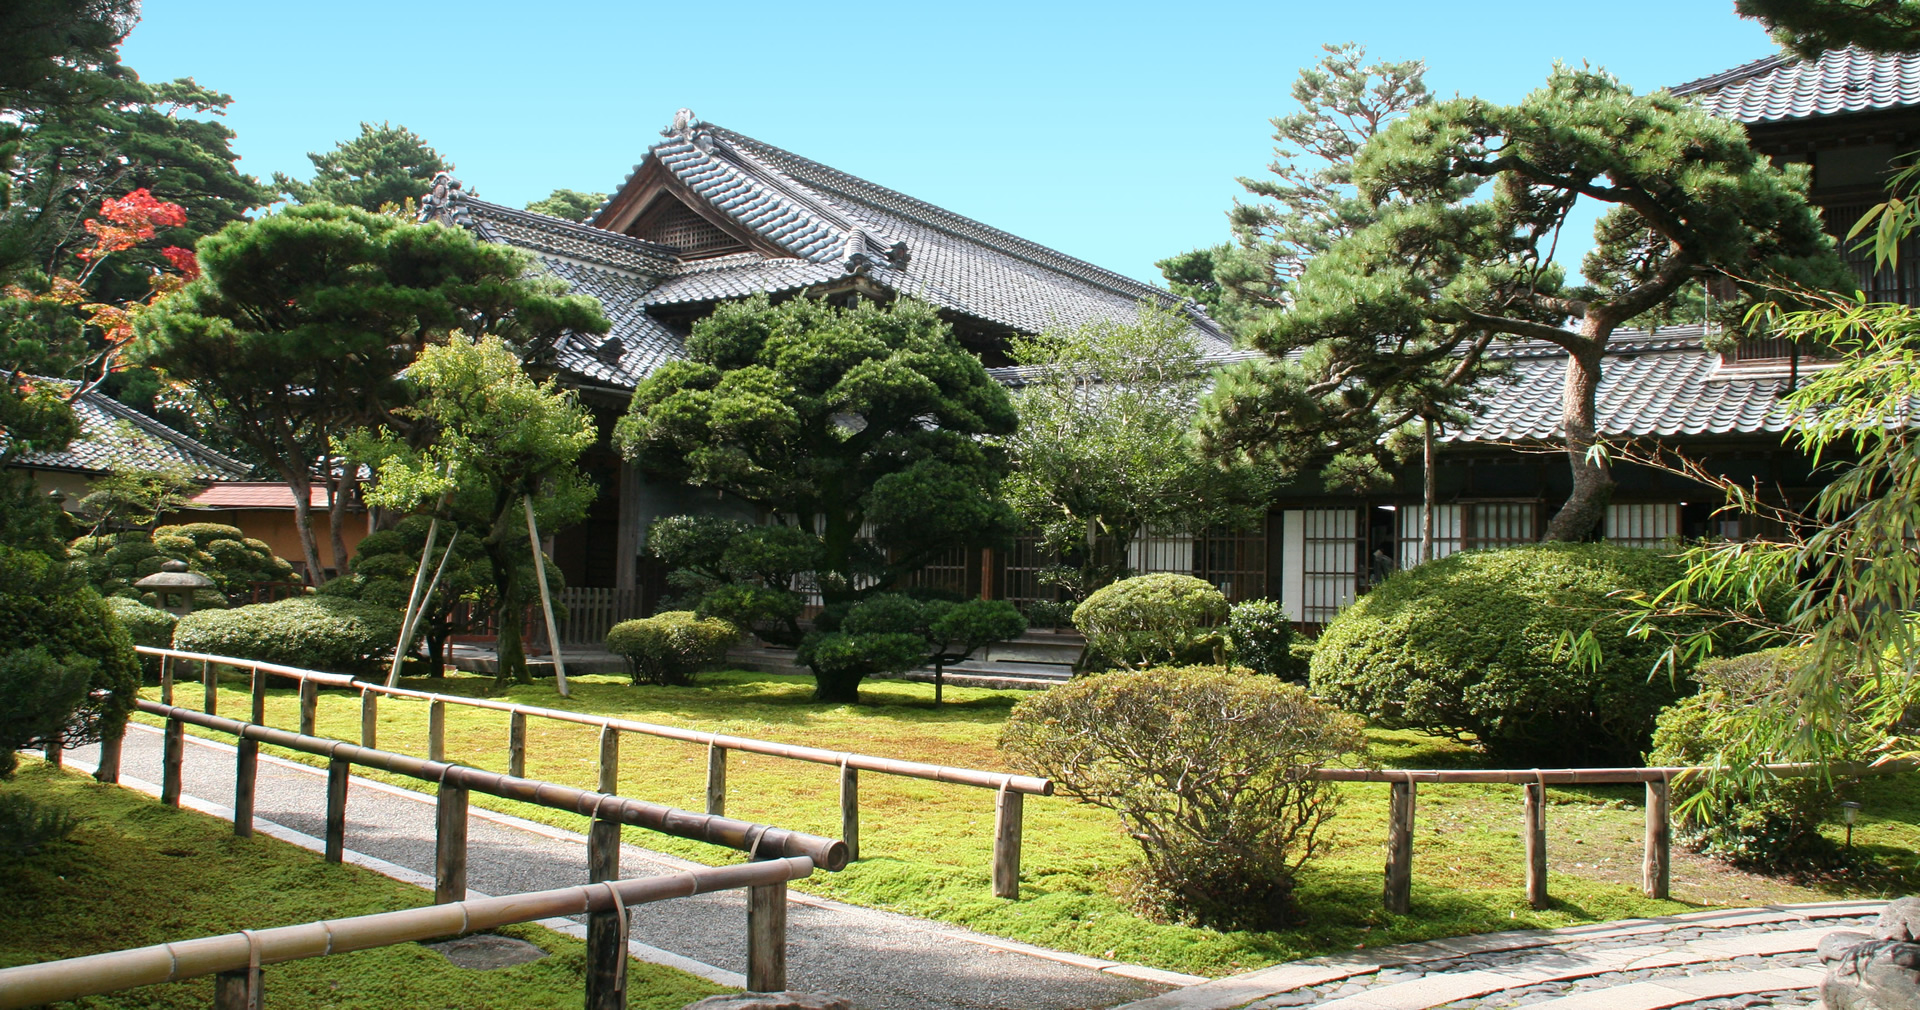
[683, 123]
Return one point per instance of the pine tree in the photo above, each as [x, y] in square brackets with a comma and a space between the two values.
[385, 164]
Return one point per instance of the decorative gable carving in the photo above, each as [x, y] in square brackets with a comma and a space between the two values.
[672, 223]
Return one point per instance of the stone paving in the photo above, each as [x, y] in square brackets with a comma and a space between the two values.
[1717, 960]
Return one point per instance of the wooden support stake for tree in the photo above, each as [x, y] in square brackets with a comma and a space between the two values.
[437, 731]
[1400, 811]
[56, 751]
[413, 601]
[237, 990]
[450, 845]
[212, 685]
[309, 705]
[108, 771]
[606, 954]
[173, 750]
[1006, 844]
[767, 937]
[716, 780]
[369, 719]
[546, 599]
[337, 809]
[246, 772]
[609, 760]
[850, 811]
[1656, 873]
[1536, 836]
[259, 690]
[517, 745]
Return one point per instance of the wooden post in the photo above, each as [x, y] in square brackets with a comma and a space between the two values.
[1400, 809]
[767, 938]
[369, 720]
[56, 751]
[850, 811]
[109, 767]
[517, 745]
[606, 955]
[258, 688]
[437, 731]
[1656, 872]
[1536, 836]
[212, 686]
[309, 705]
[232, 992]
[245, 773]
[609, 761]
[166, 680]
[450, 845]
[1006, 844]
[173, 750]
[336, 809]
[716, 780]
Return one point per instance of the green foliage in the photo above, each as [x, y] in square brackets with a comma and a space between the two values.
[1153, 619]
[1260, 637]
[113, 562]
[382, 573]
[149, 626]
[313, 632]
[41, 40]
[668, 648]
[129, 497]
[1207, 770]
[68, 668]
[1470, 646]
[1811, 27]
[897, 632]
[1050, 614]
[1192, 275]
[27, 826]
[385, 164]
[568, 204]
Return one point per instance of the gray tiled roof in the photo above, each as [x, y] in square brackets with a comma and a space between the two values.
[643, 342]
[554, 236]
[1787, 87]
[114, 436]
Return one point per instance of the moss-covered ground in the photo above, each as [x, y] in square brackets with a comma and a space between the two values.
[137, 873]
[926, 847]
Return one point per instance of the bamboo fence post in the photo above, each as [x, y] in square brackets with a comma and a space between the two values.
[237, 990]
[1400, 813]
[259, 699]
[767, 937]
[246, 773]
[1536, 837]
[166, 680]
[1006, 843]
[172, 751]
[56, 750]
[108, 770]
[606, 951]
[336, 809]
[1657, 873]
[212, 686]
[716, 780]
[850, 810]
[450, 845]
[437, 731]
[609, 760]
[309, 705]
[517, 744]
[369, 719]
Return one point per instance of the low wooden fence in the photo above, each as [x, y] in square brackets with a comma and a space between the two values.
[591, 613]
[1009, 790]
[236, 960]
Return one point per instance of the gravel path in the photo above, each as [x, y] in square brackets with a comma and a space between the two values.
[881, 960]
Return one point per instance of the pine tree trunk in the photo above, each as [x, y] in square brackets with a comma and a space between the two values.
[1428, 494]
[338, 490]
[301, 485]
[1592, 475]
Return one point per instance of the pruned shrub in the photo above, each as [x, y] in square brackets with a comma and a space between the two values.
[1470, 646]
[1760, 823]
[1152, 619]
[315, 632]
[1209, 770]
[148, 626]
[668, 648]
[113, 562]
[1260, 638]
[67, 668]
[896, 632]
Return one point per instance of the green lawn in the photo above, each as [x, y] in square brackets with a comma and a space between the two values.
[137, 873]
[927, 847]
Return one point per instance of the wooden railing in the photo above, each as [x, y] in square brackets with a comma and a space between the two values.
[236, 960]
[1009, 789]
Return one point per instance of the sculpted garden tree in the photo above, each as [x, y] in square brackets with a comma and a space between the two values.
[1398, 314]
[1811, 27]
[384, 165]
[570, 204]
[302, 321]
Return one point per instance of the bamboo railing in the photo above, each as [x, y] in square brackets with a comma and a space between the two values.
[1009, 789]
[237, 959]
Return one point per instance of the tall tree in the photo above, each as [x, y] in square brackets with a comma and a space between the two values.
[43, 42]
[570, 204]
[1450, 269]
[302, 321]
[1811, 27]
[385, 164]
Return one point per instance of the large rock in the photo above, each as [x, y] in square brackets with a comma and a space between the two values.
[1900, 920]
[776, 1001]
[1881, 972]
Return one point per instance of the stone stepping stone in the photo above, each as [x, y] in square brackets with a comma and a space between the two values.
[1671, 992]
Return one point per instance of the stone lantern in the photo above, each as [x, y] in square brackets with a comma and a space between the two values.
[174, 586]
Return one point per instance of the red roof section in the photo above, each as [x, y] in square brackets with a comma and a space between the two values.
[255, 495]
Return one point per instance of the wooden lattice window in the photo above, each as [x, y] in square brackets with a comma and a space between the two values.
[1648, 524]
[1330, 562]
[1501, 524]
[1020, 572]
[948, 571]
[672, 223]
[1900, 283]
[1235, 563]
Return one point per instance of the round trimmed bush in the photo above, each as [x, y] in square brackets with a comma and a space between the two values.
[149, 626]
[113, 562]
[67, 668]
[1260, 638]
[1465, 647]
[669, 647]
[315, 632]
[1152, 619]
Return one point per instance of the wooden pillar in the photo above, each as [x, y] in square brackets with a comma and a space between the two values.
[1006, 844]
[108, 770]
[56, 751]
[1400, 810]
[767, 937]
[231, 990]
[986, 573]
[450, 845]
[1657, 871]
[1536, 837]
[246, 773]
[626, 558]
[716, 780]
[166, 680]
[606, 954]
[609, 760]
[517, 745]
[211, 685]
[309, 705]
[173, 751]
[437, 731]
[370, 719]
[258, 688]
[336, 809]
[850, 811]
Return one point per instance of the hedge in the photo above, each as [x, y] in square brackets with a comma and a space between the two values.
[315, 632]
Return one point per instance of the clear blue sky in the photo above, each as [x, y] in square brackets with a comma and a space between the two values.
[1111, 131]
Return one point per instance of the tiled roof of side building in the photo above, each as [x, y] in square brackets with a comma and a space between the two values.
[1784, 86]
[114, 436]
[556, 237]
[634, 345]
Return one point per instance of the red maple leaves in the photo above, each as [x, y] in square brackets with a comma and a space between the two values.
[130, 220]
